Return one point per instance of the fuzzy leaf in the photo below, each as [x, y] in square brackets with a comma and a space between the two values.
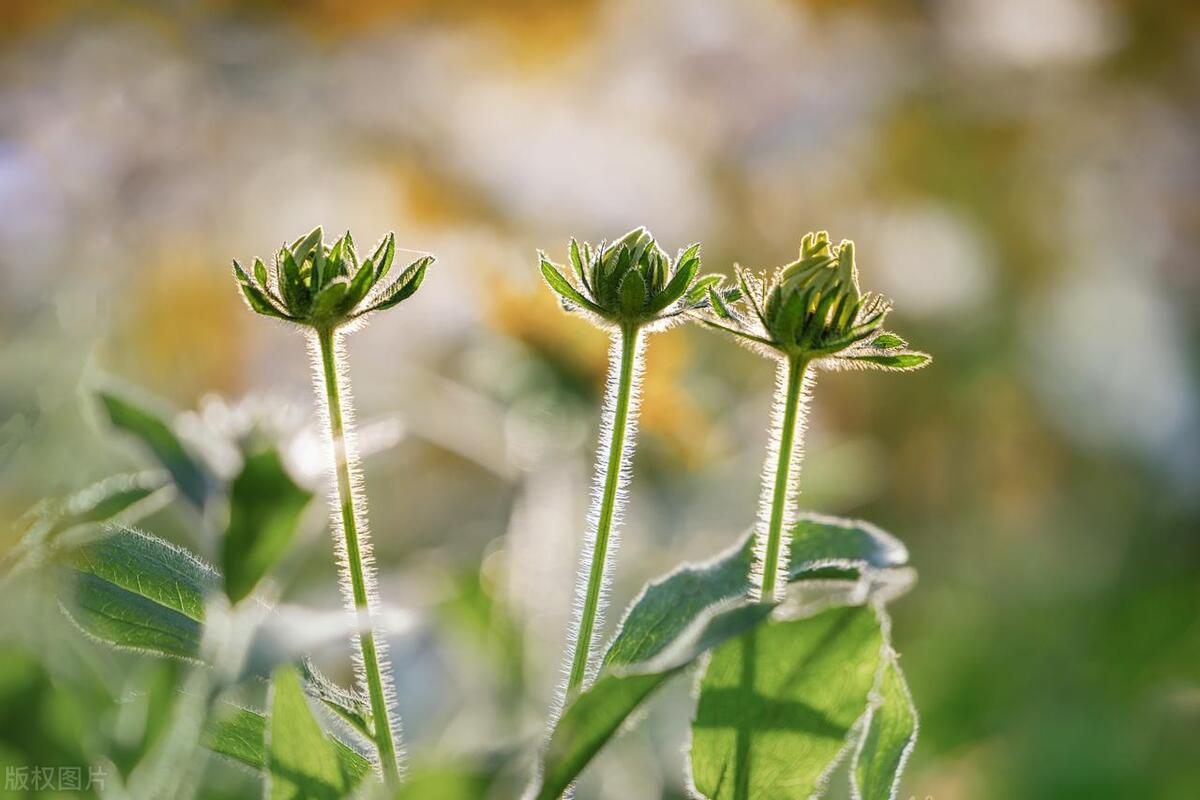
[295, 294]
[383, 255]
[888, 341]
[116, 496]
[633, 294]
[684, 275]
[133, 590]
[699, 290]
[307, 245]
[890, 736]
[897, 361]
[353, 709]
[668, 605]
[360, 284]
[405, 286]
[563, 288]
[260, 273]
[328, 303]
[265, 505]
[256, 298]
[777, 705]
[592, 718]
[192, 478]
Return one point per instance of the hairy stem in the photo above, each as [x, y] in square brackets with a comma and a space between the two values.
[782, 486]
[619, 424]
[356, 566]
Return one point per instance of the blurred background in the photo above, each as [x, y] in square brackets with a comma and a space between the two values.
[1022, 178]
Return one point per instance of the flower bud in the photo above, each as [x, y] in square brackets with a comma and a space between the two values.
[325, 286]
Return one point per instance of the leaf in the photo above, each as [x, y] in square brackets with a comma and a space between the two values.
[354, 709]
[406, 285]
[564, 289]
[778, 703]
[240, 734]
[265, 505]
[120, 495]
[897, 361]
[306, 245]
[193, 479]
[889, 738]
[383, 255]
[633, 294]
[133, 590]
[679, 283]
[592, 718]
[256, 297]
[668, 605]
[301, 761]
[329, 300]
[888, 341]
[362, 282]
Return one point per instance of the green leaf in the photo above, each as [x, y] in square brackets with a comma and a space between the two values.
[256, 298]
[301, 761]
[360, 284]
[264, 509]
[133, 590]
[406, 285]
[777, 705]
[306, 245]
[193, 479]
[383, 255]
[668, 605]
[699, 290]
[897, 361]
[888, 341]
[679, 283]
[354, 709]
[633, 294]
[120, 495]
[240, 734]
[890, 736]
[328, 303]
[260, 272]
[592, 718]
[564, 289]
[450, 780]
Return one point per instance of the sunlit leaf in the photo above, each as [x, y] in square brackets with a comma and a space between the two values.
[591, 719]
[301, 761]
[668, 605]
[897, 361]
[240, 734]
[889, 738]
[778, 704]
[133, 590]
[264, 508]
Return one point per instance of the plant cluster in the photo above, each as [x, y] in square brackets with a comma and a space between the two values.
[787, 630]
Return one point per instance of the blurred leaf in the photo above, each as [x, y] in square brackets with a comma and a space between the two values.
[240, 734]
[591, 719]
[777, 704]
[448, 781]
[354, 709]
[190, 475]
[133, 590]
[265, 505]
[890, 736]
[668, 605]
[888, 341]
[302, 762]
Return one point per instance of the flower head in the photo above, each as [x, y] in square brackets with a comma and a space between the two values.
[324, 285]
[630, 282]
[813, 309]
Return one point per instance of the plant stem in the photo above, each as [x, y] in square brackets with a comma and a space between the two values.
[608, 499]
[356, 567]
[779, 496]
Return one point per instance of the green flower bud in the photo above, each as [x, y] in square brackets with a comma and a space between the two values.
[324, 285]
[813, 310]
[631, 282]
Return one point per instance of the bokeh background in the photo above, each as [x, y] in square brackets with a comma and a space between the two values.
[1021, 178]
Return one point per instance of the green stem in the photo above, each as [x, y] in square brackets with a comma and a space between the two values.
[779, 496]
[384, 742]
[612, 478]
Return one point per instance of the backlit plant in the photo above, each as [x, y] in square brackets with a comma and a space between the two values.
[786, 632]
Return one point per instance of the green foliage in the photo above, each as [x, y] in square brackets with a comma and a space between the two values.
[591, 719]
[889, 738]
[778, 704]
[133, 590]
[265, 505]
[194, 480]
[324, 285]
[818, 544]
[301, 761]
